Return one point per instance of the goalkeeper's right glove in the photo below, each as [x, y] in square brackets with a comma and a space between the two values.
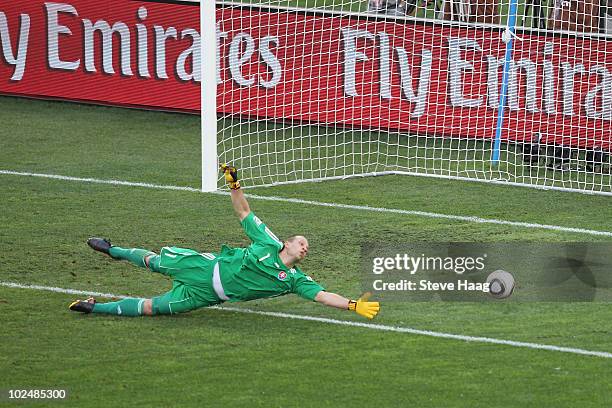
[363, 307]
[231, 176]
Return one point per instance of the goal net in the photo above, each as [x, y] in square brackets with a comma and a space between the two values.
[483, 90]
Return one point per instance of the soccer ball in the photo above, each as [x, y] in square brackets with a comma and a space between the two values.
[501, 284]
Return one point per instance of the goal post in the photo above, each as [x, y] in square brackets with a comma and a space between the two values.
[208, 95]
[309, 90]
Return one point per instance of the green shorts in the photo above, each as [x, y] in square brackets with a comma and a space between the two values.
[191, 274]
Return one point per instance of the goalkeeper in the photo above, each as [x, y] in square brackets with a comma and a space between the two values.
[267, 268]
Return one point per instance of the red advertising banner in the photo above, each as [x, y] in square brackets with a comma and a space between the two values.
[62, 56]
[311, 67]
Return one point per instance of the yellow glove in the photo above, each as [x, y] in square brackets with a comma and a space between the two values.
[363, 307]
[231, 176]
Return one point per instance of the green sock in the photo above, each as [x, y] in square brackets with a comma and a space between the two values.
[134, 255]
[125, 307]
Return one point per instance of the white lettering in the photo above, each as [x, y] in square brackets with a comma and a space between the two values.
[549, 81]
[161, 35]
[493, 65]
[54, 30]
[236, 61]
[143, 45]
[351, 56]
[569, 72]
[270, 59]
[604, 86]
[529, 68]
[385, 64]
[420, 97]
[18, 60]
[107, 32]
[473, 286]
[429, 285]
[456, 67]
[377, 266]
[190, 55]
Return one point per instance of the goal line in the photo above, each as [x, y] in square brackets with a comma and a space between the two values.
[451, 217]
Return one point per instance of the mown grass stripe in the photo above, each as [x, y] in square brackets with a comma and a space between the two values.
[463, 218]
[370, 326]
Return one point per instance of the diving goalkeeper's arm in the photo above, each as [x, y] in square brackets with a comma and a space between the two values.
[240, 204]
[360, 306]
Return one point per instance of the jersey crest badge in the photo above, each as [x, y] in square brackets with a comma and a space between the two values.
[282, 275]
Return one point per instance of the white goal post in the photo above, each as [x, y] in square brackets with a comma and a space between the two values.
[517, 92]
[208, 98]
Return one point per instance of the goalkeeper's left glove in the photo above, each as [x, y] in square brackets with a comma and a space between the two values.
[231, 176]
[363, 307]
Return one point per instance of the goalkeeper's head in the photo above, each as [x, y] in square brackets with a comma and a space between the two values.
[296, 247]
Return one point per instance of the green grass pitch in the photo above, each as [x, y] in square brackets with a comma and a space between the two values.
[215, 358]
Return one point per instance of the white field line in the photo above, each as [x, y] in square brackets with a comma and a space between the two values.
[324, 204]
[381, 327]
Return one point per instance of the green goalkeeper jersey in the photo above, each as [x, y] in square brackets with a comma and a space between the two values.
[257, 271]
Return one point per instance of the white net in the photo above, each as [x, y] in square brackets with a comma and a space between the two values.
[318, 89]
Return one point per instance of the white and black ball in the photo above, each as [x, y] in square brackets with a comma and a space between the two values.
[501, 284]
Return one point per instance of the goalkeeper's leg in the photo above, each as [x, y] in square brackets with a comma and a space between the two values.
[139, 257]
[172, 302]
[177, 300]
